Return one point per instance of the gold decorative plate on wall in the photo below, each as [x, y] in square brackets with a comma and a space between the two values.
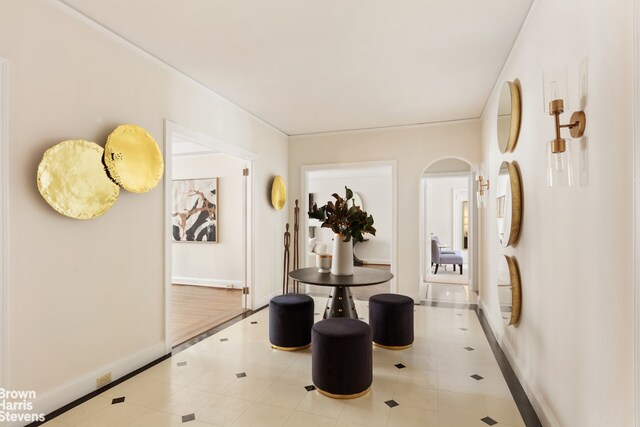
[278, 193]
[133, 159]
[72, 179]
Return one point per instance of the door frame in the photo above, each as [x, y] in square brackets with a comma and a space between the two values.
[636, 205]
[171, 131]
[304, 185]
[474, 222]
[4, 223]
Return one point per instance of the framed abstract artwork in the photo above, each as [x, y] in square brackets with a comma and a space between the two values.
[194, 212]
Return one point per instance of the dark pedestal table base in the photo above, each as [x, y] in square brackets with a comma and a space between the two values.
[340, 304]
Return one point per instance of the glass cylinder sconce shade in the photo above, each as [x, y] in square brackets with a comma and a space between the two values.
[559, 163]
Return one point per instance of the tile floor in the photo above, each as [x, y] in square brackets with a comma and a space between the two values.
[449, 378]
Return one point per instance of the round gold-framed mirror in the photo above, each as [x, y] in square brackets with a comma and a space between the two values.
[509, 290]
[509, 113]
[508, 203]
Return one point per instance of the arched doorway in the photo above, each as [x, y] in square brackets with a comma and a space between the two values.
[449, 225]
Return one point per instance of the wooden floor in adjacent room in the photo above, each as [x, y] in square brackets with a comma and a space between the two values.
[197, 309]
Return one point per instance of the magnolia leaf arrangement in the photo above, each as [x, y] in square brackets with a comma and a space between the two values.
[350, 221]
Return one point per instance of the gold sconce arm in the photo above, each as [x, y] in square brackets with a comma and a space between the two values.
[576, 125]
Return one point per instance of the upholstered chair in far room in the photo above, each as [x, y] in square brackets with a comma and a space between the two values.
[438, 257]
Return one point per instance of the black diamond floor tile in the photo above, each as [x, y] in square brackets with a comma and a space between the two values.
[254, 323]
[399, 366]
[477, 377]
[391, 403]
[463, 329]
[488, 420]
[188, 417]
[310, 387]
[181, 363]
[469, 348]
[224, 339]
[117, 400]
[241, 375]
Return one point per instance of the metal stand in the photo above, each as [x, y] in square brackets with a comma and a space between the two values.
[340, 304]
[296, 250]
[285, 277]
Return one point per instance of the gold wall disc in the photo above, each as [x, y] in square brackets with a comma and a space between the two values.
[133, 159]
[72, 179]
[278, 193]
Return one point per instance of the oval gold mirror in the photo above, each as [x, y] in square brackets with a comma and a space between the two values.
[509, 294]
[509, 203]
[508, 117]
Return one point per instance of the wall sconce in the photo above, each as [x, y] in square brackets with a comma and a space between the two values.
[559, 154]
[483, 186]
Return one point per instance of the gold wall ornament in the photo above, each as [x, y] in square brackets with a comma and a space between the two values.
[278, 193]
[72, 179]
[133, 159]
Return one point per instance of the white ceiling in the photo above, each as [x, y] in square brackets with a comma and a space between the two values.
[308, 66]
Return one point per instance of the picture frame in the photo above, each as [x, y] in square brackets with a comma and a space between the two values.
[194, 210]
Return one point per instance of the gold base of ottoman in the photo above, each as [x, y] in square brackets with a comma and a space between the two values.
[277, 347]
[393, 347]
[344, 396]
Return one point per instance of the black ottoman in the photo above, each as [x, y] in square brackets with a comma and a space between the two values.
[290, 321]
[391, 320]
[341, 362]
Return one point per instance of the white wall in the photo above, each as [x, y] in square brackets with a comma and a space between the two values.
[86, 297]
[573, 347]
[414, 148]
[221, 263]
[375, 192]
[440, 206]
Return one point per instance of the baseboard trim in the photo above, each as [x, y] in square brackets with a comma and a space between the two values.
[376, 261]
[503, 349]
[56, 402]
[210, 283]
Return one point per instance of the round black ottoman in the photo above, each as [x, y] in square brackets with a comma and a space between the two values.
[341, 362]
[391, 320]
[290, 321]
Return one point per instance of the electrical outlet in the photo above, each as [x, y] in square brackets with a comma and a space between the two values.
[103, 380]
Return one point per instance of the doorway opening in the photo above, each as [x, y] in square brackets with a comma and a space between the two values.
[374, 188]
[448, 233]
[208, 240]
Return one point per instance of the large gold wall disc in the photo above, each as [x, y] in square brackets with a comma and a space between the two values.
[278, 193]
[133, 159]
[72, 179]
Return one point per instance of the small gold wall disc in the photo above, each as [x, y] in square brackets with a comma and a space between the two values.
[278, 193]
[72, 179]
[133, 159]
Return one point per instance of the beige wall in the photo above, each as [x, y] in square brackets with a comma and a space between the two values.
[414, 148]
[573, 348]
[86, 297]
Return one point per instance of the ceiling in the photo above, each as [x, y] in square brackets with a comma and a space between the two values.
[308, 66]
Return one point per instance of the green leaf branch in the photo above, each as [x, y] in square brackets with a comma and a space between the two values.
[350, 221]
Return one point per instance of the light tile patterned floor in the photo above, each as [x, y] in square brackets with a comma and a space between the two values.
[234, 378]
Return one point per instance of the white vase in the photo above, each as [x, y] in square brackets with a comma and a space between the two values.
[342, 260]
